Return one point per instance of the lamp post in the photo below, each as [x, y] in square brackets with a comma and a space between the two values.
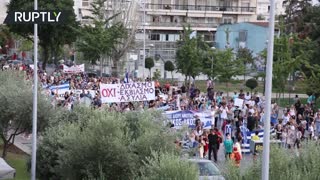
[268, 83]
[35, 99]
[144, 38]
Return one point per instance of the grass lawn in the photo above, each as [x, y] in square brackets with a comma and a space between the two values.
[19, 163]
[284, 102]
[236, 85]
[17, 160]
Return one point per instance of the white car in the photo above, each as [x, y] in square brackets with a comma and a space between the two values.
[207, 170]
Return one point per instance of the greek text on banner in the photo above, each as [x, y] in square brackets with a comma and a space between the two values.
[73, 69]
[129, 92]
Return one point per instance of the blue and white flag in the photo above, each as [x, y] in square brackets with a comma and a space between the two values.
[245, 147]
[228, 129]
[126, 79]
[193, 34]
[62, 86]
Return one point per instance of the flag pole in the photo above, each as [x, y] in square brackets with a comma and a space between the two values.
[268, 94]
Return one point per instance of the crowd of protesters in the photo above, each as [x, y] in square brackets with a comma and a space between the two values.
[229, 121]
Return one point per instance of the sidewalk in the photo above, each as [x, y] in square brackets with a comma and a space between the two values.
[274, 95]
[25, 144]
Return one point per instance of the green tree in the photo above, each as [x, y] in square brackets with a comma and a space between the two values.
[281, 56]
[208, 63]
[294, 16]
[100, 39]
[51, 36]
[227, 67]
[169, 66]
[149, 64]
[6, 37]
[188, 54]
[127, 11]
[252, 84]
[245, 56]
[312, 82]
[16, 108]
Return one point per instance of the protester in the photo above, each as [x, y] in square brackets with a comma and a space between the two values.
[213, 145]
[236, 122]
[228, 145]
[236, 156]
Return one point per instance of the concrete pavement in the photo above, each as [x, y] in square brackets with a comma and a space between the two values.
[23, 143]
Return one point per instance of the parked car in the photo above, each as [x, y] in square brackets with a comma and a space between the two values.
[207, 170]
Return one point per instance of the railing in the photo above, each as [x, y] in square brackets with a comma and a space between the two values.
[200, 7]
[181, 24]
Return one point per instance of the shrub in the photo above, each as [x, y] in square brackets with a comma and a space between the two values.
[252, 83]
[168, 166]
[102, 144]
[285, 164]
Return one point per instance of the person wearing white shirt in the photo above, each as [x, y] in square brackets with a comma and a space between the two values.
[251, 110]
[224, 112]
[247, 97]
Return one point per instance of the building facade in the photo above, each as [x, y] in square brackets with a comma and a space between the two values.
[165, 20]
[251, 35]
[263, 9]
[3, 10]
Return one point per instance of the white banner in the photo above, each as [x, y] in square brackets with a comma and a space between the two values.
[76, 92]
[73, 69]
[129, 92]
[238, 102]
[180, 118]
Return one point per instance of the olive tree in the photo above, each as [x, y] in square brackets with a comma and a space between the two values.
[16, 108]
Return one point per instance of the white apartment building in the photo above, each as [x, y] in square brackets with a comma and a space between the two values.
[3, 10]
[165, 20]
[263, 9]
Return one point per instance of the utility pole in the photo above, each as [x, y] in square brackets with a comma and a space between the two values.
[268, 85]
[144, 38]
[35, 99]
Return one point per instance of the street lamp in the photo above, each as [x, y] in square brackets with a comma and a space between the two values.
[35, 99]
[268, 84]
[144, 38]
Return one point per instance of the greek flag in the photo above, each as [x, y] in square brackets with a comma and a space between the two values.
[126, 79]
[193, 34]
[228, 129]
[245, 147]
[63, 86]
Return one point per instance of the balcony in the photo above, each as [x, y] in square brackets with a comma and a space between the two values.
[204, 8]
[179, 26]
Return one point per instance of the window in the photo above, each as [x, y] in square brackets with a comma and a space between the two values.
[208, 37]
[210, 20]
[85, 2]
[155, 37]
[242, 35]
[227, 20]
[245, 7]
[268, 8]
